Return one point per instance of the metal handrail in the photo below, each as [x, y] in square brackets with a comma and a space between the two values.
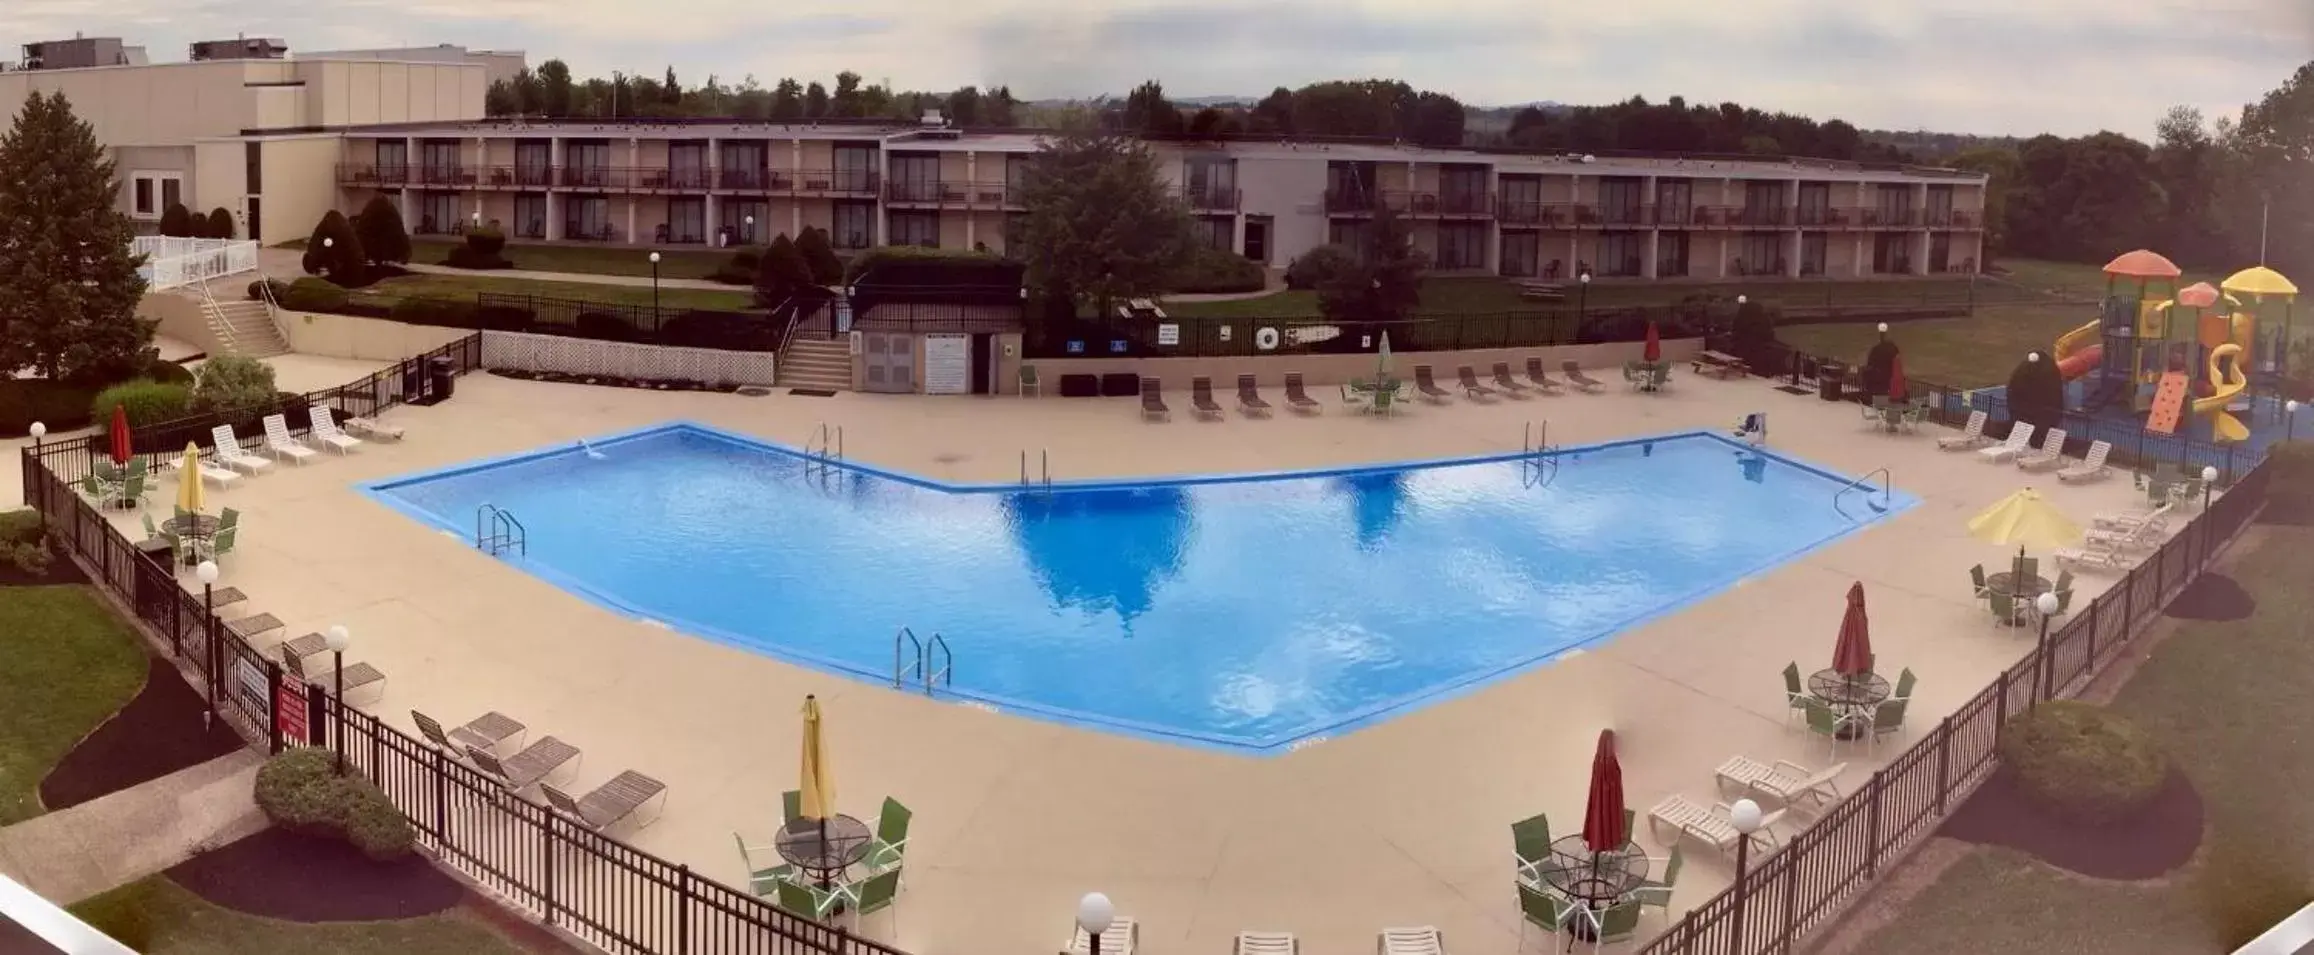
[272, 308]
[224, 329]
[1044, 467]
[505, 531]
[946, 673]
[1887, 491]
[900, 669]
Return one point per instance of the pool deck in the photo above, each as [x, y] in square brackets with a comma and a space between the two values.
[1405, 823]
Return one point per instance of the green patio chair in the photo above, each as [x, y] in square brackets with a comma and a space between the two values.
[137, 468]
[2064, 600]
[1888, 717]
[220, 545]
[1542, 909]
[809, 901]
[2030, 567]
[1904, 682]
[2004, 606]
[1660, 377]
[1384, 400]
[1823, 720]
[2064, 579]
[762, 882]
[1028, 383]
[875, 894]
[1531, 843]
[1630, 826]
[108, 472]
[90, 486]
[891, 836]
[135, 489]
[1795, 695]
[790, 806]
[228, 519]
[1977, 581]
[1619, 922]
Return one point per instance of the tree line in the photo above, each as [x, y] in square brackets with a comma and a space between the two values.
[551, 91]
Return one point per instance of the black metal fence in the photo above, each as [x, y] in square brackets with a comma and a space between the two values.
[1243, 337]
[645, 324]
[595, 887]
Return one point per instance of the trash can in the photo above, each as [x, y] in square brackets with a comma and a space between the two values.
[1831, 378]
[441, 373]
[153, 590]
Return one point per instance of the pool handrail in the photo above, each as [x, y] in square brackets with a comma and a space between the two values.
[901, 669]
[946, 673]
[1887, 491]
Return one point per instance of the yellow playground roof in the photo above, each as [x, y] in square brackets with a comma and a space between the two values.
[2261, 281]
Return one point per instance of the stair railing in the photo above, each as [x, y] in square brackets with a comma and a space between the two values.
[218, 323]
[273, 309]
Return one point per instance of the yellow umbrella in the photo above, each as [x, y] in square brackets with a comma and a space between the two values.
[2026, 520]
[818, 787]
[189, 479]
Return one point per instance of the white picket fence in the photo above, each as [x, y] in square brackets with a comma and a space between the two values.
[174, 261]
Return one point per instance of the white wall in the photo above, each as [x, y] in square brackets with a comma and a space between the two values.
[1293, 193]
[580, 356]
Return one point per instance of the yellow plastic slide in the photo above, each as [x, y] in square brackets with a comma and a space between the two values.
[2224, 427]
[2079, 350]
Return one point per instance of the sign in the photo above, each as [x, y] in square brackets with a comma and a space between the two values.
[1076, 346]
[250, 681]
[1119, 346]
[859, 344]
[1224, 333]
[289, 713]
[1169, 335]
[947, 364]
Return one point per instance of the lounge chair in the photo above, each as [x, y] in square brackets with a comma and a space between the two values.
[229, 451]
[1541, 379]
[1428, 386]
[1201, 399]
[373, 428]
[1970, 438]
[1267, 943]
[1582, 381]
[1709, 826]
[1249, 401]
[1123, 936]
[1467, 377]
[280, 444]
[610, 803]
[1298, 396]
[1153, 401]
[352, 677]
[250, 628]
[2049, 457]
[533, 765]
[2143, 537]
[762, 882]
[1786, 782]
[209, 472]
[1506, 384]
[2124, 520]
[325, 431]
[484, 732]
[2091, 467]
[2093, 557]
[2020, 440]
[1544, 910]
[1425, 940]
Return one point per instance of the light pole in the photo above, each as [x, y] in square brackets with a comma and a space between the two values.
[2048, 605]
[749, 237]
[1095, 914]
[336, 639]
[207, 573]
[1583, 295]
[2289, 420]
[2209, 483]
[1745, 817]
[40, 430]
[654, 291]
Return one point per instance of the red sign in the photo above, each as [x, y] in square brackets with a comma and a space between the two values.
[289, 712]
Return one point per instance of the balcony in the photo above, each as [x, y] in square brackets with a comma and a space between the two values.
[1759, 217]
[1823, 216]
[1949, 219]
[945, 194]
[1458, 203]
[1888, 218]
[1524, 212]
[1625, 215]
[686, 179]
[1211, 198]
[1351, 201]
[372, 174]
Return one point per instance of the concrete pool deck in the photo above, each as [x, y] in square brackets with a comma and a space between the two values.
[1405, 823]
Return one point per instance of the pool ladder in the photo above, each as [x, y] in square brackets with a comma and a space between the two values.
[933, 664]
[823, 450]
[1864, 484]
[1539, 458]
[1044, 466]
[497, 531]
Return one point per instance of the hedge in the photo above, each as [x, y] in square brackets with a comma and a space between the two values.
[62, 406]
[300, 790]
[146, 402]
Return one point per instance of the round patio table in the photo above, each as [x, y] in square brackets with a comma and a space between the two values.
[824, 848]
[2006, 584]
[191, 527]
[1854, 693]
[1596, 879]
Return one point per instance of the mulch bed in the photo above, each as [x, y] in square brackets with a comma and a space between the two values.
[2213, 596]
[2288, 511]
[2153, 844]
[158, 733]
[615, 381]
[284, 875]
[61, 570]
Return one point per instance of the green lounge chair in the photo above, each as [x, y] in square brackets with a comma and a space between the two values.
[1531, 845]
[811, 902]
[1795, 695]
[790, 805]
[1543, 909]
[1619, 922]
[762, 882]
[891, 836]
[875, 894]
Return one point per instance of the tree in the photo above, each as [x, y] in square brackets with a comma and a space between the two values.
[964, 106]
[1274, 114]
[781, 273]
[1147, 111]
[68, 285]
[176, 220]
[220, 223]
[335, 250]
[1437, 120]
[997, 108]
[815, 101]
[1212, 123]
[819, 257]
[1102, 220]
[846, 101]
[670, 92]
[555, 92]
[1386, 283]
[787, 100]
[383, 237]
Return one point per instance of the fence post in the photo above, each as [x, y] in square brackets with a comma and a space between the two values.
[1789, 932]
[441, 800]
[273, 706]
[176, 622]
[1943, 763]
[2096, 613]
[682, 910]
[1872, 825]
[2000, 705]
[546, 884]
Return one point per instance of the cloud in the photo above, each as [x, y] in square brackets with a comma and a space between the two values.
[2002, 66]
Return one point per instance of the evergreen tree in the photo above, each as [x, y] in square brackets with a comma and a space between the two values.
[781, 273]
[379, 226]
[68, 284]
[1103, 221]
[220, 223]
[176, 220]
[335, 251]
[1386, 284]
[819, 257]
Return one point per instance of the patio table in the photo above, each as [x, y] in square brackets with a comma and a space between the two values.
[189, 528]
[1852, 692]
[2006, 584]
[824, 848]
[1596, 879]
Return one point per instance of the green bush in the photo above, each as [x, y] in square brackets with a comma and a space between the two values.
[2083, 762]
[740, 268]
[781, 273]
[819, 256]
[2037, 392]
[384, 238]
[147, 402]
[232, 381]
[124, 914]
[1319, 266]
[61, 405]
[448, 313]
[176, 220]
[862, 263]
[487, 241]
[313, 295]
[220, 224]
[602, 327]
[257, 289]
[20, 526]
[335, 250]
[1213, 271]
[300, 790]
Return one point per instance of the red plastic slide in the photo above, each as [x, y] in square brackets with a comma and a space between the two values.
[2081, 362]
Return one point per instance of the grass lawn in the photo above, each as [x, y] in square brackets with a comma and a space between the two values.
[1491, 294]
[1974, 352]
[2228, 700]
[2079, 280]
[686, 263]
[181, 923]
[68, 665]
[465, 286]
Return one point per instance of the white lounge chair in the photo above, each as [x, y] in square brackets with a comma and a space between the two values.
[2141, 537]
[209, 472]
[2094, 557]
[229, 451]
[1123, 936]
[279, 442]
[2091, 467]
[373, 428]
[2020, 440]
[1970, 438]
[325, 431]
[2158, 518]
[2051, 453]
[1268, 943]
[1711, 826]
[1786, 782]
[1426, 940]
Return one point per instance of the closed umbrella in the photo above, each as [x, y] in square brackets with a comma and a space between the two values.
[1604, 826]
[1382, 368]
[189, 480]
[1652, 350]
[120, 435]
[1852, 656]
[1896, 379]
[817, 785]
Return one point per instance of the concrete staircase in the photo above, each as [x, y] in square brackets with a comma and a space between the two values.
[816, 363]
[244, 327]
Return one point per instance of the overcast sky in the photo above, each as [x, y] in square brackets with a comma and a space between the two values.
[1987, 66]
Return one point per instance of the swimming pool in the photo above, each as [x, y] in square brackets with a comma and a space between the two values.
[1246, 613]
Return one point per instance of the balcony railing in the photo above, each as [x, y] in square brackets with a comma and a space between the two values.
[1449, 203]
[1888, 218]
[1760, 216]
[640, 179]
[1350, 201]
[1211, 198]
[945, 193]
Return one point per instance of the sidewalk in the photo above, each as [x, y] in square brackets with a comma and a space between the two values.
[581, 278]
[95, 847]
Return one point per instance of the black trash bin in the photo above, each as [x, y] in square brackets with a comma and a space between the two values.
[441, 373]
[1831, 378]
[154, 590]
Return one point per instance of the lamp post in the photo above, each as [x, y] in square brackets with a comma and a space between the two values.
[749, 237]
[2289, 420]
[2209, 483]
[1583, 295]
[336, 639]
[2048, 606]
[1095, 914]
[207, 573]
[654, 291]
[1745, 817]
[40, 430]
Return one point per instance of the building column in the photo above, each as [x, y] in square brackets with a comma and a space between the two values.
[1857, 265]
[1920, 240]
[794, 203]
[634, 163]
[714, 202]
[972, 198]
[1647, 197]
[1792, 222]
[714, 219]
[554, 198]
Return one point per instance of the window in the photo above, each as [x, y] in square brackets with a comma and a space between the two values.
[1890, 254]
[1671, 255]
[915, 177]
[1760, 253]
[687, 165]
[532, 158]
[855, 169]
[743, 165]
[1675, 202]
[437, 212]
[142, 203]
[1016, 167]
[687, 220]
[1215, 232]
[1815, 203]
[1619, 202]
[1522, 199]
[1349, 186]
[748, 219]
[855, 225]
[1354, 236]
[152, 193]
[439, 159]
[587, 164]
[1462, 188]
[915, 228]
[253, 154]
[1210, 183]
[1939, 208]
[1620, 253]
[1764, 203]
[1814, 248]
[588, 217]
[530, 216]
[1520, 252]
[1462, 245]
[393, 159]
[1894, 205]
[1940, 244]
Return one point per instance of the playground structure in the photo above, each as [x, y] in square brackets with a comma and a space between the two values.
[2162, 351]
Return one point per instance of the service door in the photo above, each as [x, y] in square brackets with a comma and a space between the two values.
[891, 361]
[947, 364]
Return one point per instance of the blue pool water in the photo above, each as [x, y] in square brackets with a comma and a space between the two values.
[1245, 613]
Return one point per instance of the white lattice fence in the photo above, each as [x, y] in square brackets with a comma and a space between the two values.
[580, 356]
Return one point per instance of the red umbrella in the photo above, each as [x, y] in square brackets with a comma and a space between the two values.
[1896, 378]
[1654, 348]
[1853, 654]
[1604, 827]
[120, 435]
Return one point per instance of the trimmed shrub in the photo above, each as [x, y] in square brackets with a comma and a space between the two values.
[2084, 762]
[256, 293]
[487, 240]
[2037, 392]
[781, 273]
[448, 313]
[740, 268]
[730, 331]
[24, 543]
[819, 256]
[220, 223]
[504, 318]
[232, 382]
[168, 373]
[1211, 271]
[1319, 266]
[300, 790]
[384, 238]
[481, 250]
[1879, 367]
[1754, 330]
[867, 261]
[313, 295]
[335, 250]
[176, 220]
[147, 402]
[603, 327]
[62, 406]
